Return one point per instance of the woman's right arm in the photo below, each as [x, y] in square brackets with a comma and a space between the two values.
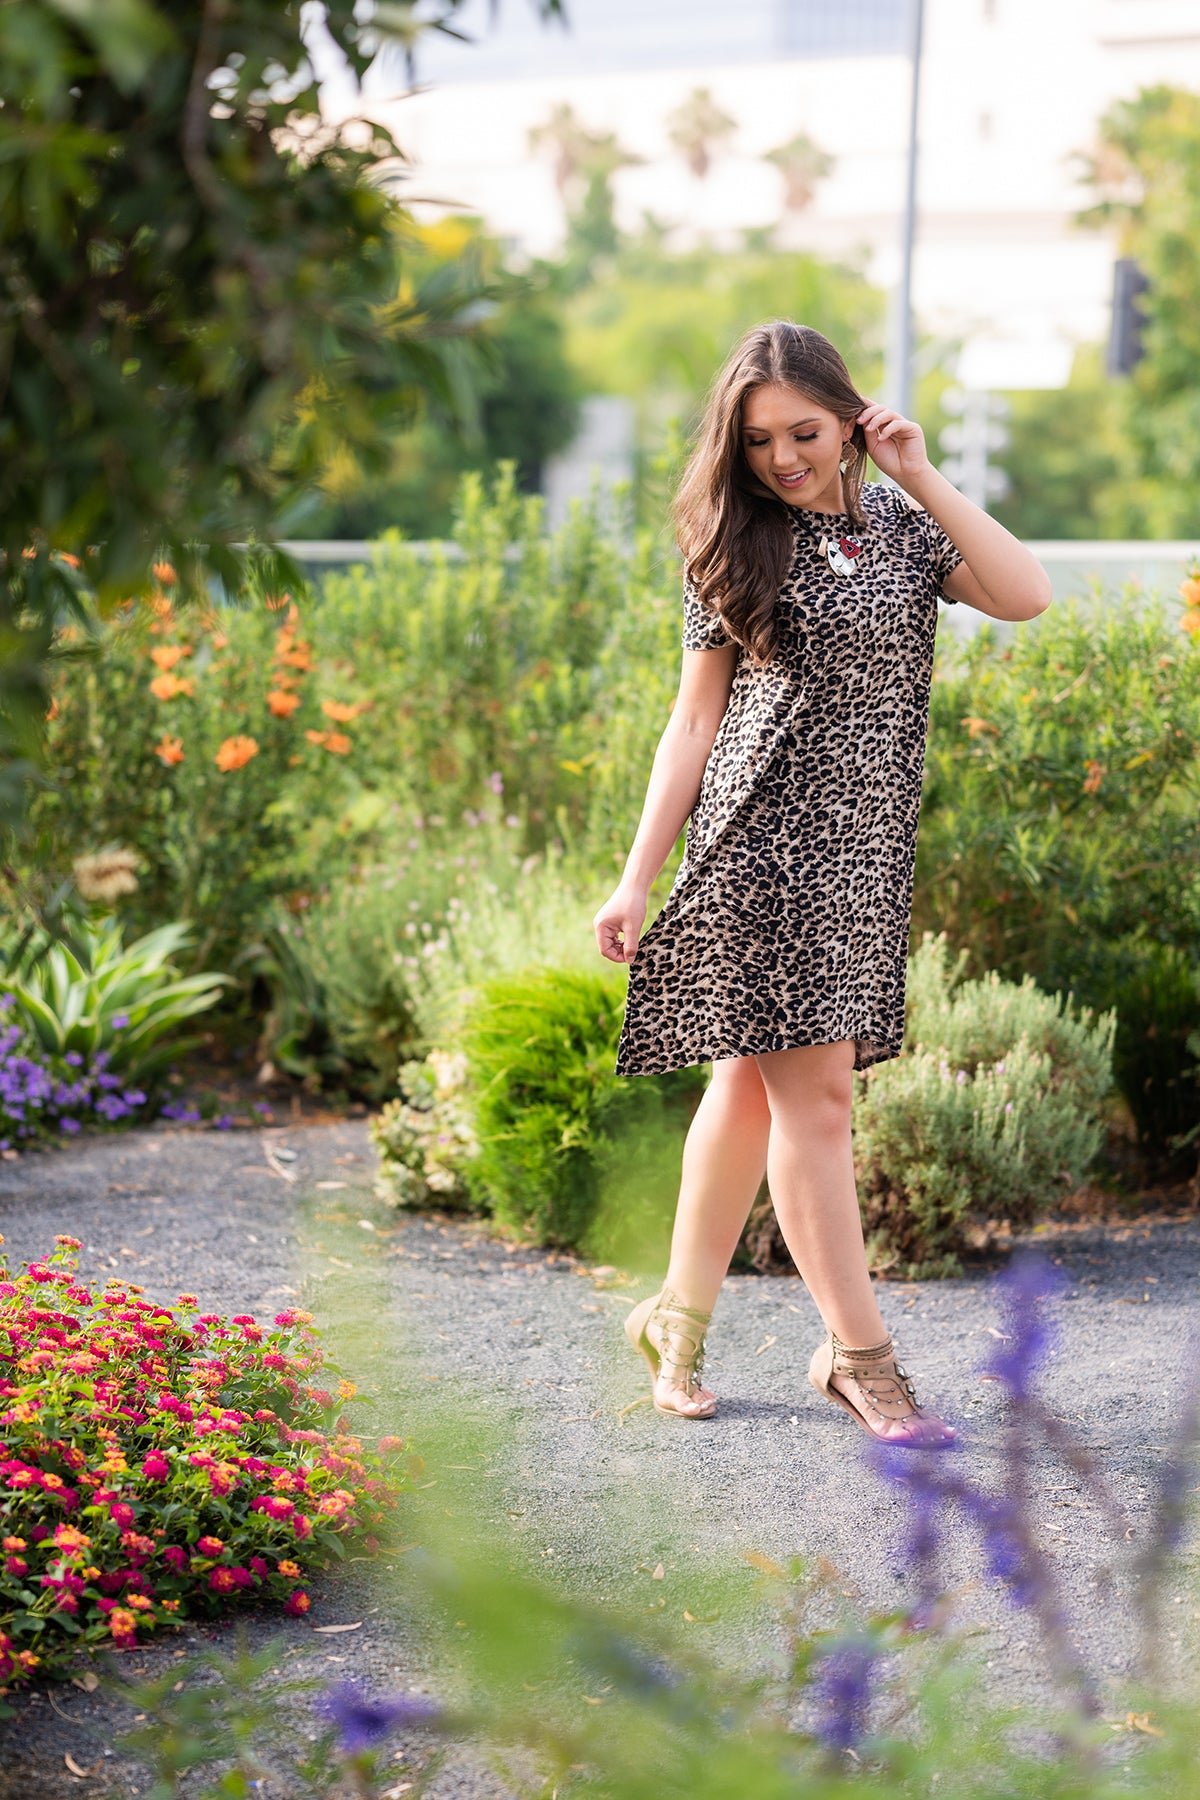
[675, 776]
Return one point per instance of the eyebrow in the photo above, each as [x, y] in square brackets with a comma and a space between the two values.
[795, 427]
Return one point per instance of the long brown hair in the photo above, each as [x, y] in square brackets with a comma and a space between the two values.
[734, 534]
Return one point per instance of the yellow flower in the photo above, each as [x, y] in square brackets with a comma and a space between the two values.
[236, 752]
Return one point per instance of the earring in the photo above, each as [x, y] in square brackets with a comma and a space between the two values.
[844, 464]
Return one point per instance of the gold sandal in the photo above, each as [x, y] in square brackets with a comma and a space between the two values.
[882, 1383]
[678, 1357]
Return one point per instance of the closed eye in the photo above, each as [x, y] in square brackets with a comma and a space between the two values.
[801, 438]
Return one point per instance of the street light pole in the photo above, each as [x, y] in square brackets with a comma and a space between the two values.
[901, 373]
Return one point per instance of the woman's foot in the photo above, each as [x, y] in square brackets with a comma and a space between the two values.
[878, 1394]
[671, 1338]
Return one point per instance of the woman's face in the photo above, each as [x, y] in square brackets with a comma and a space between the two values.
[794, 447]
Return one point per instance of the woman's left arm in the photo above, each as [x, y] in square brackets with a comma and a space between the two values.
[997, 575]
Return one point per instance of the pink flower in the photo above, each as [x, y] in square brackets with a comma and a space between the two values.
[274, 1505]
[156, 1467]
[210, 1546]
[176, 1557]
[15, 1565]
[121, 1514]
[222, 1581]
[303, 1526]
[296, 1603]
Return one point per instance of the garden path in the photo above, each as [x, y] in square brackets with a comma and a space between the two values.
[525, 1347]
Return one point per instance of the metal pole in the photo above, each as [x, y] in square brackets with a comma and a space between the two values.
[901, 375]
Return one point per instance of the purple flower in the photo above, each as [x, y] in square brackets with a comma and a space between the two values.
[73, 1057]
[1024, 1288]
[496, 782]
[842, 1688]
[224, 1122]
[134, 1097]
[71, 1125]
[362, 1721]
[181, 1111]
[119, 1021]
[262, 1109]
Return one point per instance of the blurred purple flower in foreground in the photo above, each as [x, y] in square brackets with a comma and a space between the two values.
[361, 1721]
[1023, 1290]
[842, 1688]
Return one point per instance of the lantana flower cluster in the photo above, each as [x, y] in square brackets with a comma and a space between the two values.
[159, 1463]
[42, 1095]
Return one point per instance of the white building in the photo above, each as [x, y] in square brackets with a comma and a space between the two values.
[1010, 92]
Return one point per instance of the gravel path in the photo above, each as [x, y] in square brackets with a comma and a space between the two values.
[562, 1464]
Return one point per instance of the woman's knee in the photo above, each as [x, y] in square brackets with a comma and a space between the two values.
[814, 1082]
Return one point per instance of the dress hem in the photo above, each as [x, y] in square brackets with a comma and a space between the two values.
[885, 1052]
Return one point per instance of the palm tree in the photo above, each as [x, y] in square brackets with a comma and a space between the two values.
[567, 140]
[697, 128]
[802, 163]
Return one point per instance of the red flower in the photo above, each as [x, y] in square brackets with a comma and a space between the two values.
[296, 1603]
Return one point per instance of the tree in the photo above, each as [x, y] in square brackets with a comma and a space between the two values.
[802, 163]
[1145, 172]
[518, 392]
[698, 128]
[584, 164]
[199, 305]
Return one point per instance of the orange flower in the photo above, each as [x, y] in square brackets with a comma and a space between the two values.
[54, 709]
[340, 712]
[219, 640]
[1191, 622]
[72, 562]
[297, 657]
[164, 573]
[121, 1622]
[166, 687]
[976, 727]
[236, 752]
[1095, 775]
[278, 601]
[281, 703]
[337, 741]
[169, 749]
[1190, 590]
[160, 605]
[165, 656]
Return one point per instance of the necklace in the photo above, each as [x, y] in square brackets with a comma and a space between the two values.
[840, 551]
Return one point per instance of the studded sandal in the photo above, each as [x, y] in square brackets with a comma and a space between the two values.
[885, 1390]
[678, 1355]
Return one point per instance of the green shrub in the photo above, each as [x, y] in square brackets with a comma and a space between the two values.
[540, 1051]
[1058, 834]
[990, 1114]
[127, 1001]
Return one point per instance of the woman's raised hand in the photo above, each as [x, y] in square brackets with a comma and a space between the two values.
[618, 924]
[896, 445]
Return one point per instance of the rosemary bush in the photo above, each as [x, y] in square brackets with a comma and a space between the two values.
[992, 1111]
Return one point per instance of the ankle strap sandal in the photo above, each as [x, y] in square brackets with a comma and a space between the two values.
[677, 1357]
[882, 1399]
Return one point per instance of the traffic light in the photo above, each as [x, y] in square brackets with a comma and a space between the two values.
[1125, 346]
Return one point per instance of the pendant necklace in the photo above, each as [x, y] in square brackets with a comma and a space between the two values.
[840, 551]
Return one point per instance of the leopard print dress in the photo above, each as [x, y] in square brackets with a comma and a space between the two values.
[788, 920]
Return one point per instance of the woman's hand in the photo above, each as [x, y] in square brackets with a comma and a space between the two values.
[896, 445]
[618, 924]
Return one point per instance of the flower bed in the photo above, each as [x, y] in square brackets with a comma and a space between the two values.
[159, 1463]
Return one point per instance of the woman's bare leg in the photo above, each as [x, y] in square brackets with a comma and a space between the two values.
[810, 1172]
[724, 1160]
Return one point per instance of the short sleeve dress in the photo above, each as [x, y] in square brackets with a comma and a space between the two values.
[788, 919]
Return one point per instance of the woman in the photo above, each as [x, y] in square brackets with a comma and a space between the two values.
[795, 749]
